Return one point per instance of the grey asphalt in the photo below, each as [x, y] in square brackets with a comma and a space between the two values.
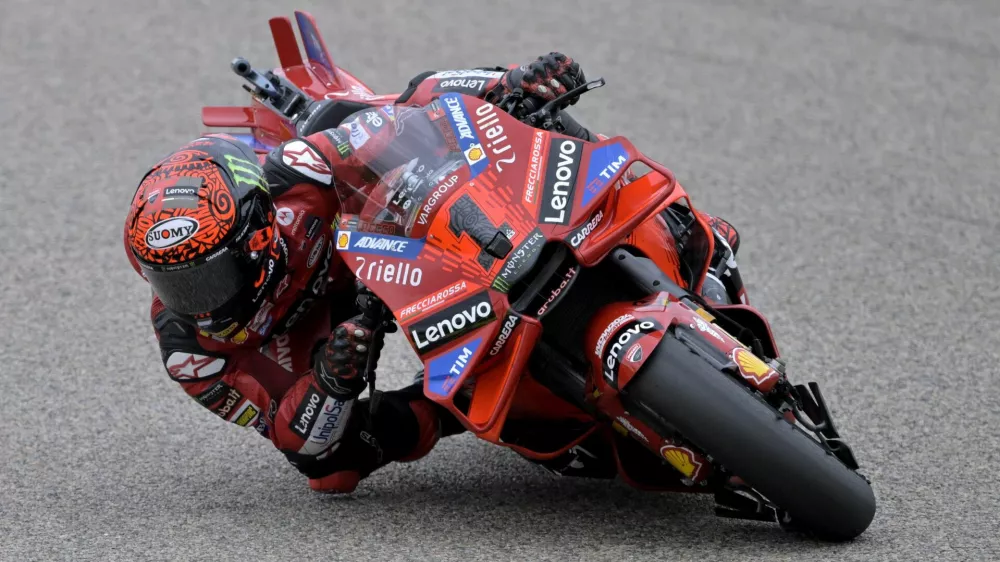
[854, 143]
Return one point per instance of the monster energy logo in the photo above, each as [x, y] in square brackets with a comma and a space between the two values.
[239, 166]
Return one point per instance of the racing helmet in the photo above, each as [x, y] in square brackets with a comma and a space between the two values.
[202, 230]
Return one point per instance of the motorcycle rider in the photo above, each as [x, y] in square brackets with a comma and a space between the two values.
[246, 286]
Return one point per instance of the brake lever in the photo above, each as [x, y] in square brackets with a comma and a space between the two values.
[374, 317]
[542, 118]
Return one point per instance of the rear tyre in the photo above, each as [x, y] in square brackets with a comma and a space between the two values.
[679, 390]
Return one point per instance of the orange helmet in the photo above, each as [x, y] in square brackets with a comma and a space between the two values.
[202, 230]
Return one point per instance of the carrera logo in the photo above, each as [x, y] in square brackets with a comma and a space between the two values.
[508, 328]
[625, 337]
[445, 326]
[560, 180]
[586, 229]
[170, 232]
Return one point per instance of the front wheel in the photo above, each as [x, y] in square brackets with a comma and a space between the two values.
[678, 390]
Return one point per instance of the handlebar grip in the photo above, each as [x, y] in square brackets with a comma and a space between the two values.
[241, 66]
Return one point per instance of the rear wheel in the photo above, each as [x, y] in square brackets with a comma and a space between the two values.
[680, 391]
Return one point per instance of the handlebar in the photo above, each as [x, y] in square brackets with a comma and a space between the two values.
[547, 115]
[278, 94]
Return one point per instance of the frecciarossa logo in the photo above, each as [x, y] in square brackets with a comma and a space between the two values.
[560, 180]
[445, 326]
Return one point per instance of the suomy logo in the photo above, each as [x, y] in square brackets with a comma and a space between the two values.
[170, 232]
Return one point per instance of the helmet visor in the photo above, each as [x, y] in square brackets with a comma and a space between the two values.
[205, 287]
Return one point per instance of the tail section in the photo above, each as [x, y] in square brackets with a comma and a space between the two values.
[316, 50]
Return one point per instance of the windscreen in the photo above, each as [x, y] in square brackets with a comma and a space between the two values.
[406, 153]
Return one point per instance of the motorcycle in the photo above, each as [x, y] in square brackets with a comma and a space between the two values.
[548, 281]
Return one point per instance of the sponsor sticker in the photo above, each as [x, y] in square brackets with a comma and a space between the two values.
[584, 231]
[246, 415]
[467, 138]
[445, 370]
[306, 414]
[605, 162]
[468, 86]
[285, 216]
[214, 393]
[447, 325]
[305, 160]
[171, 232]
[183, 366]
[561, 169]
[432, 200]
[614, 325]
[506, 330]
[533, 177]
[629, 428]
[379, 244]
[313, 227]
[233, 397]
[432, 301]
[622, 342]
[331, 421]
[520, 261]
[484, 74]
[555, 291]
[751, 367]
[488, 125]
[388, 271]
[316, 251]
[359, 136]
[681, 458]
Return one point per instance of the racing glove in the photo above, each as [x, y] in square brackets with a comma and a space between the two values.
[340, 364]
[548, 77]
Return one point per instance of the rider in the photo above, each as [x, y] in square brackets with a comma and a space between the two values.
[246, 285]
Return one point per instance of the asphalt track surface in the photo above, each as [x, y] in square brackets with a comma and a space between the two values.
[854, 143]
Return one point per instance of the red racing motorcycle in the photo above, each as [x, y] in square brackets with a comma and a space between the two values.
[556, 283]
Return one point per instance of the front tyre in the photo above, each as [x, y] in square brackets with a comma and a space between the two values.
[679, 390]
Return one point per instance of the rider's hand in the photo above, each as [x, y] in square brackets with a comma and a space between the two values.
[340, 363]
[548, 77]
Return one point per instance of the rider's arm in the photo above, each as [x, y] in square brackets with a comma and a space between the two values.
[544, 78]
[476, 82]
[334, 442]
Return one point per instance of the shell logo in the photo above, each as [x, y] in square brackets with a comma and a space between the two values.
[475, 153]
[751, 366]
[681, 458]
[343, 240]
[240, 337]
